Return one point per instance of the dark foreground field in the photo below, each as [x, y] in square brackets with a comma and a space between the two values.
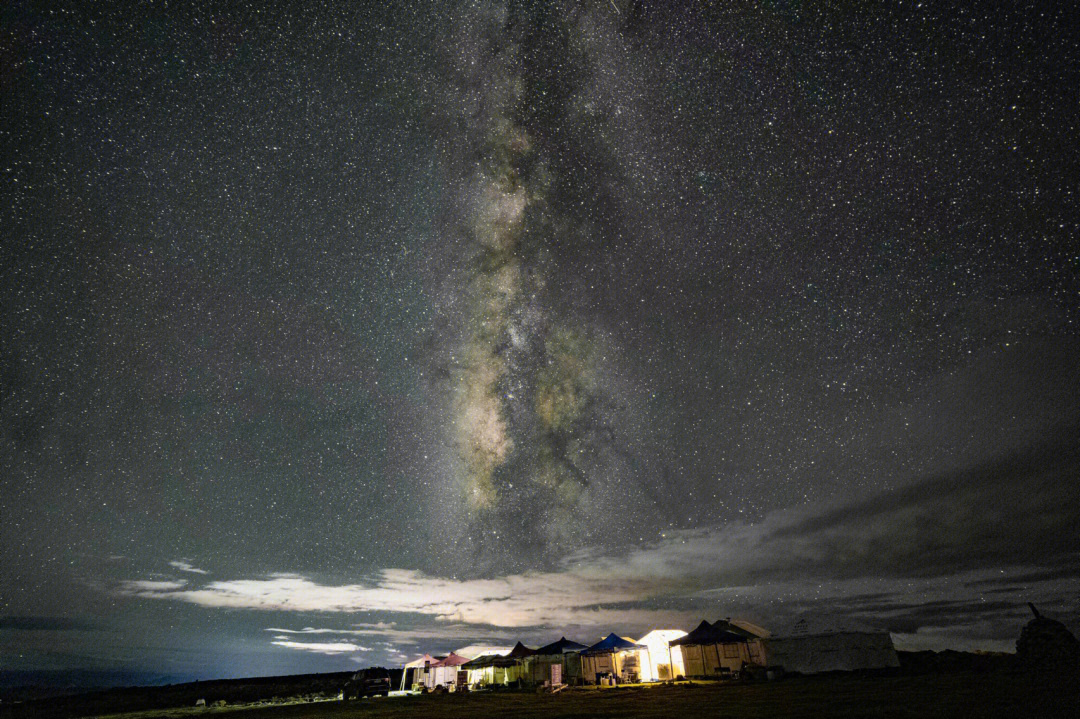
[937, 695]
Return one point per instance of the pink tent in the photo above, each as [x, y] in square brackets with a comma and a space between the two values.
[444, 672]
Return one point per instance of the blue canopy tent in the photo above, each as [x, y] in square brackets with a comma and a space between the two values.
[615, 656]
[611, 643]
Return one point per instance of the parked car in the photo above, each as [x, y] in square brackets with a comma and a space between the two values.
[367, 683]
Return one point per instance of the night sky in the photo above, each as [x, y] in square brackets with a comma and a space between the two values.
[335, 334]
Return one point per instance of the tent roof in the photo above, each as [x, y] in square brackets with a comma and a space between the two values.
[723, 625]
[706, 633]
[563, 646]
[520, 650]
[454, 660]
[419, 661]
[698, 635]
[490, 660]
[661, 635]
[612, 643]
[754, 629]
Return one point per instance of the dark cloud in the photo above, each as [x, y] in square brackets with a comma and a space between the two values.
[1067, 562]
[1017, 509]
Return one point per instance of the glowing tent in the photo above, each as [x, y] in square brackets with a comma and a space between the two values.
[662, 662]
[491, 669]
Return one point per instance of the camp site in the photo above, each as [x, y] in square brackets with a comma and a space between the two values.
[728, 667]
[724, 649]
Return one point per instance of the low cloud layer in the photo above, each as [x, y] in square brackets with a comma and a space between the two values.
[320, 647]
[995, 530]
[185, 566]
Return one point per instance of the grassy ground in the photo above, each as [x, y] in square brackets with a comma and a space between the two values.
[944, 695]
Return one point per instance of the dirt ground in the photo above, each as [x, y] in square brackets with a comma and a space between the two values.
[947, 695]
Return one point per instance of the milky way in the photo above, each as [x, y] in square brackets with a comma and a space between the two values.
[529, 415]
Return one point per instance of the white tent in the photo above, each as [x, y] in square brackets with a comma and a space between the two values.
[662, 661]
[830, 651]
[433, 671]
[416, 671]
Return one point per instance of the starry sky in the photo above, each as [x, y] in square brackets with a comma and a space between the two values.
[332, 333]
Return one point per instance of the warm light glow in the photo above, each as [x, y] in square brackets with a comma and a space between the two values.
[661, 658]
